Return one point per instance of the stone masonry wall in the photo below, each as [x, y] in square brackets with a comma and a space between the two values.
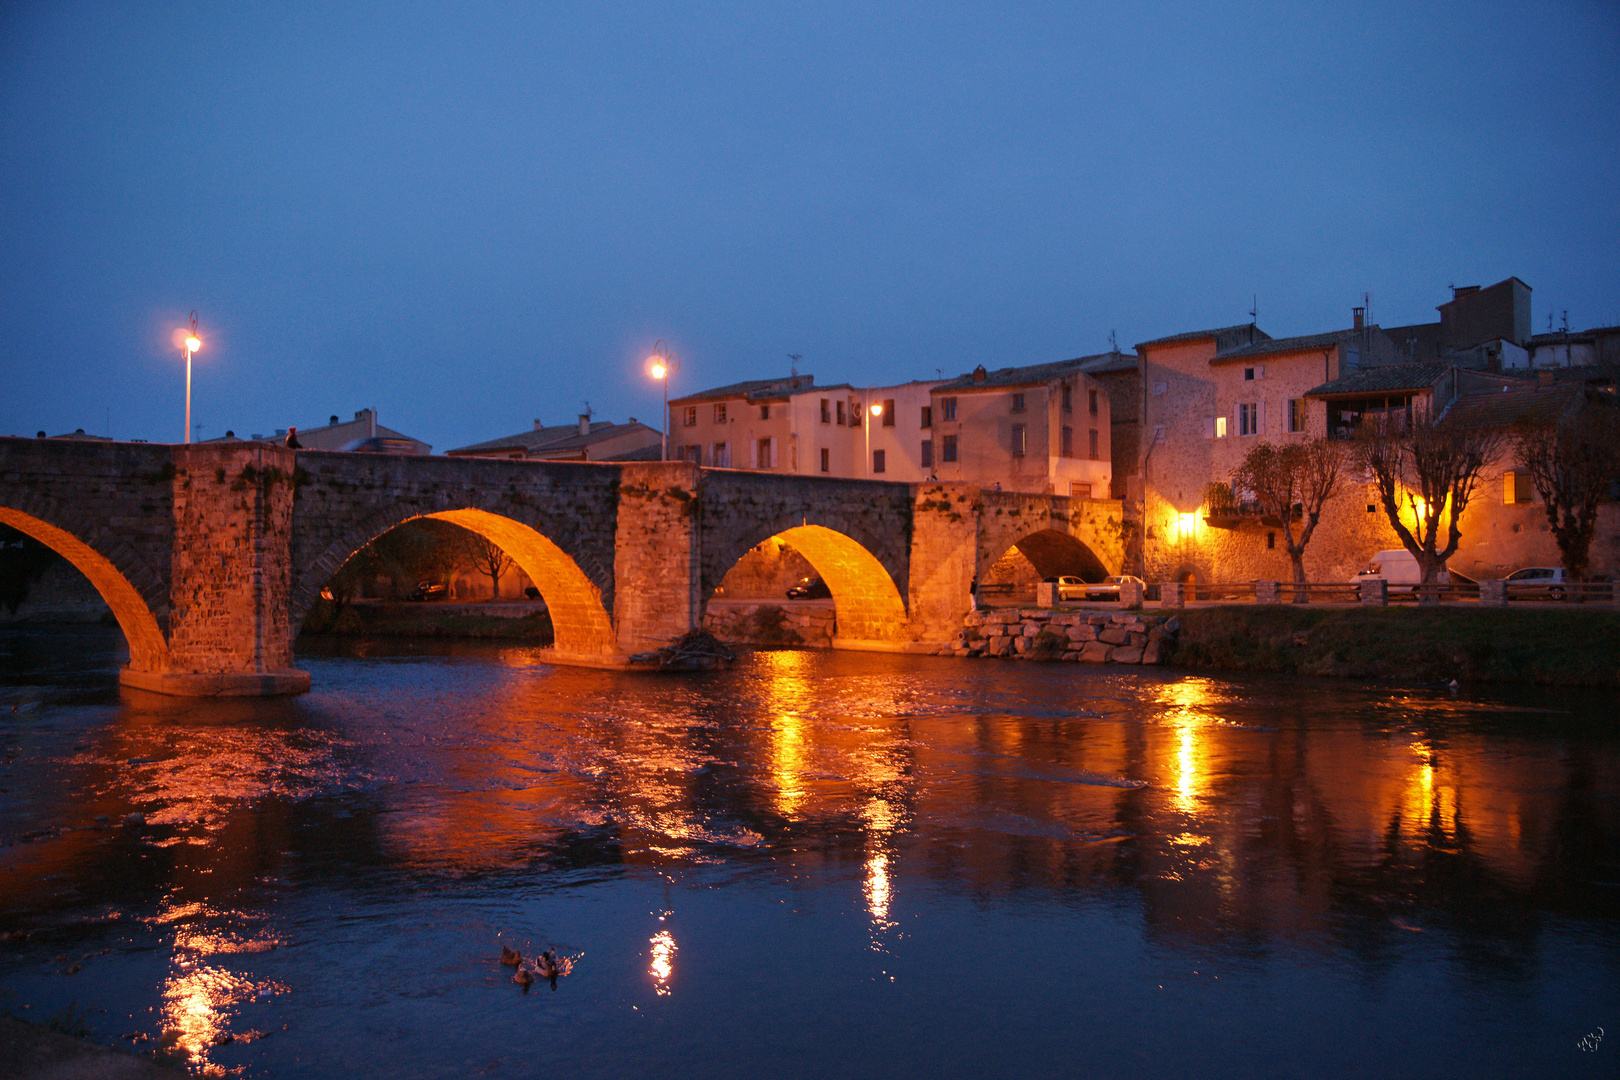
[233, 516]
[656, 554]
[1086, 638]
[767, 571]
[799, 624]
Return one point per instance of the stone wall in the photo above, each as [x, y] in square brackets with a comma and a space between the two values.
[656, 555]
[804, 625]
[1087, 638]
[765, 572]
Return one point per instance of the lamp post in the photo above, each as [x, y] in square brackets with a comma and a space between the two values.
[661, 365]
[191, 345]
[873, 411]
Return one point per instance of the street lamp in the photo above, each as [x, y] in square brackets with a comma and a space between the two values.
[661, 365]
[876, 410]
[190, 345]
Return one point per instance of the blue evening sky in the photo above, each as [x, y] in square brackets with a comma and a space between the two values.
[470, 216]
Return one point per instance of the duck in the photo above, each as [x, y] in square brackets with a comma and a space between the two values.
[522, 977]
[510, 956]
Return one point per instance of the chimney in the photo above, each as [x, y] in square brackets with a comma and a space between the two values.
[978, 373]
[332, 421]
[537, 423]
[1358, 317]
[584, 423]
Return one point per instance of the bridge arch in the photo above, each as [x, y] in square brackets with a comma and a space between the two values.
[868, 604]
[148, 648]
[579, 619]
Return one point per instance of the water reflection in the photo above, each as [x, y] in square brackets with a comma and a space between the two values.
[1225, 820]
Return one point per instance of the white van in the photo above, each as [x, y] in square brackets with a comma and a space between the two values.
[1400, 568]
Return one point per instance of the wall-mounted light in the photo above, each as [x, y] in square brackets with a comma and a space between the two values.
[1189, 526]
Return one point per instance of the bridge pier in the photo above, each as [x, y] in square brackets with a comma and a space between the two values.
[229, 575]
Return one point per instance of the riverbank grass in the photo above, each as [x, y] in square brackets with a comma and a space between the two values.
[1554, 647]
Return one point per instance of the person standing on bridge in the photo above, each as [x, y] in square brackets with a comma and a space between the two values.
[292, 439]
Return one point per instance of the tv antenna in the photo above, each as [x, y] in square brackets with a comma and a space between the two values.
[1566, 320]
[793, 368]
[1113, 341]
[1254, 307]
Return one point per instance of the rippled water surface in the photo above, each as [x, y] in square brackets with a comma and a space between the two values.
[811, 865]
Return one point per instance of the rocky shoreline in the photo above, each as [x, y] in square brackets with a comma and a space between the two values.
[1075, 637]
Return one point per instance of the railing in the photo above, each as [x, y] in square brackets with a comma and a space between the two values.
[1574, 592]
[1377, 592]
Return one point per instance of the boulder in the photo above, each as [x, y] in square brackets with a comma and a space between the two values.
[1095, 652]
[1126, 654]
[1152, 651]
[1115, 635]
[1084, 632]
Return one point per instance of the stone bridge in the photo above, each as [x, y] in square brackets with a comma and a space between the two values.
[211, 556]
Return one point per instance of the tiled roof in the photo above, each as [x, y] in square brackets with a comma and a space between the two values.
[1275, 346]
[1108, 363]
[602, 429]
[1513, 405]
[1022, 376]
[755, 388]
[1377, 380]
[523, 440]
[655, 452]
[1199, 335]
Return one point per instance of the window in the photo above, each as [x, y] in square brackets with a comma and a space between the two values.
[1515, 487]
[1080, 491]
[879, 461]
[927, 417]
[857, 412]
[888, 413]
[720, 413]
[1066, 447]
[1296, 414]
[826, 411]
[690, 417]
[692, 453]
[1220, 427]
[1250, 374]
[840, 414]
[1018, 403]
[764, 412]
[1020, 440]
[947, 410]
[720, 456]
[947, 448]
[764, 456]
[1068, 396]
[1092, 444]
[1249, 419]
[826, 457]
[1271, 541]
[928, 453]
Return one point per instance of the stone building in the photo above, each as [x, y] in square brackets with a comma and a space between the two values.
[1041, 429]
[791, 425]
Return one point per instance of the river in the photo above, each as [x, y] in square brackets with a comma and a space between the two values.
[815, 864]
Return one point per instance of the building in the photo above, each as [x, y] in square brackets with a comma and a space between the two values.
[792, 425]
[584, 440]
[362, 433]
[1045, 428]
[1472, 319]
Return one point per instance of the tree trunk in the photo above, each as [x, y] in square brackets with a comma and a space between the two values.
[1298, 559]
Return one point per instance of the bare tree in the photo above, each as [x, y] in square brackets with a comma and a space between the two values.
[487, 557]
[1282, 477]
[1427, 470]
[1572, 460]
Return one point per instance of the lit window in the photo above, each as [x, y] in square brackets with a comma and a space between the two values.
[1296, 414]
[1515, 487]
[1220, 427]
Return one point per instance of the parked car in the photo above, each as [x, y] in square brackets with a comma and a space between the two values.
[810, 588]
[427, 590]
[1108, 588]
[1069, 587]
[1545, 581]
[1399, 568]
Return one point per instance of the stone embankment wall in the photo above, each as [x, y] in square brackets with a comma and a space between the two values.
[1082, 637]
[772, 624]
